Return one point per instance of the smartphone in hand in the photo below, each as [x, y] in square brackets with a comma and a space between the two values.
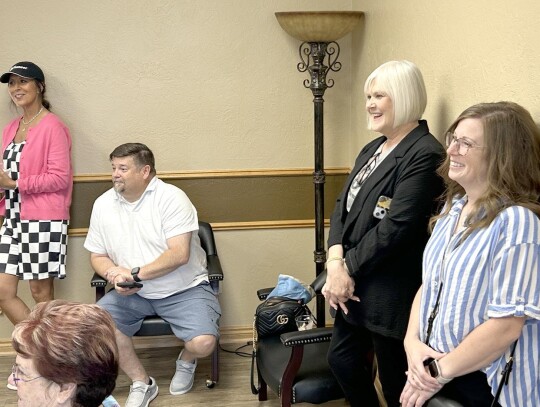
[129, 284]
[428, 361]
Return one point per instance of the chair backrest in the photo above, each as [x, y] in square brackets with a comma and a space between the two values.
[215, 271]
[207, 238]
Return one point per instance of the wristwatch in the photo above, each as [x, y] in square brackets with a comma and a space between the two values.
[135, 274]
[435, 371]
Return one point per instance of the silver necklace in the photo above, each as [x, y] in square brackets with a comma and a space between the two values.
[31, 120]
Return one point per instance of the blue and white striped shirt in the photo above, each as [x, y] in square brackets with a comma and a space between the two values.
[493, 273]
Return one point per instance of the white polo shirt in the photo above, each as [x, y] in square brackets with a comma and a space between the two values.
[135, 234]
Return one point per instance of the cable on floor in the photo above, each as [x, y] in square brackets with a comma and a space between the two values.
[238, 351]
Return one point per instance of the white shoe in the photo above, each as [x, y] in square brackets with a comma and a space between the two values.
[141, 394]
[11, 383]
[182, 381]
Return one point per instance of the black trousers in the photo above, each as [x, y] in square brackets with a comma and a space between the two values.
[471, 390]
[347, 358]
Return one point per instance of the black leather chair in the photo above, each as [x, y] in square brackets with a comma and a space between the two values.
[155, 326]
[294, 364]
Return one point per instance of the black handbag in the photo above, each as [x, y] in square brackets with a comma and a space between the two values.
[274, 316]
[277, 315]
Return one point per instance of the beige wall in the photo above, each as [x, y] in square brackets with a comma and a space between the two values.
[468, 51]
[212, 85]
[207, 84]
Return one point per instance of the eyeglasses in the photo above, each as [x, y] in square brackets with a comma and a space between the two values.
[463, 144]
[17, 376]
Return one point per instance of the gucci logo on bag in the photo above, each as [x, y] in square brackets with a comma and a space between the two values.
[282, 319]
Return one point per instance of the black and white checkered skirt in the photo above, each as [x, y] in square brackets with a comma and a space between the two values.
[29, 249]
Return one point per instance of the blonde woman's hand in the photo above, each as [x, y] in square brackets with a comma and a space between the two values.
[339, 286]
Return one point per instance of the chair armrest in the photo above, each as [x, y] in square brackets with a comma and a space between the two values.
[319, 281]
[263, 293]
[98, 281]
[316, 335]
[215, 272]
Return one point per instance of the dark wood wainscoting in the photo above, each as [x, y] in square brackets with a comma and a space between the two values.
[245, 198]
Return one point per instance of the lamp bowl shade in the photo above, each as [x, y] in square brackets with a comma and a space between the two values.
[318, 26]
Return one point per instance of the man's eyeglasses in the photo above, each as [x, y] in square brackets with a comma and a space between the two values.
[463, 144]
[18, 377]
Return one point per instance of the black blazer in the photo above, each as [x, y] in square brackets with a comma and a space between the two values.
[385, 255]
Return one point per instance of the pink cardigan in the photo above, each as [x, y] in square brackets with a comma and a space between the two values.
[46, 176]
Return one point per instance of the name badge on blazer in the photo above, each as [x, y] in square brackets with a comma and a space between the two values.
[382, 207]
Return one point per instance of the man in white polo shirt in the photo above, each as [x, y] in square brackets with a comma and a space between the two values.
[145, 231]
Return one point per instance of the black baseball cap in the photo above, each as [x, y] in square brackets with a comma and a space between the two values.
[24, 69]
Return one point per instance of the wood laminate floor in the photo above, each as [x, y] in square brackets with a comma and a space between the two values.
[233, 388]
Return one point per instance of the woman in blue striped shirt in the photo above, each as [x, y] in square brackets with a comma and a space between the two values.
[481, 282]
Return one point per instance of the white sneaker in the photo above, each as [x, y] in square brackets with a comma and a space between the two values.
[11, 383]
[141, 394]
[182, 381]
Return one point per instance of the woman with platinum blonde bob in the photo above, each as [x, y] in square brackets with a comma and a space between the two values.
[378, 231]
[66, 356]
[479, 304]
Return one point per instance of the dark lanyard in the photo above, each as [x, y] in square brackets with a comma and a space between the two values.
[436, 307]
[433, 315]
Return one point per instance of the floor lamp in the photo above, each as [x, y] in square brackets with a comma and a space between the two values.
[319, 53]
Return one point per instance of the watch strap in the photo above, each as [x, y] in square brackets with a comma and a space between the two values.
[135, 274]
[439, 377]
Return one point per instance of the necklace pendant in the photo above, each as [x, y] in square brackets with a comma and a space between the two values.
[23, 129]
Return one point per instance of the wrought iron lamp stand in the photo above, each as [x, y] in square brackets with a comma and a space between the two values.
[319, 53]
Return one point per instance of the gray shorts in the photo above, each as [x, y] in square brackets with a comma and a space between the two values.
[190, 313]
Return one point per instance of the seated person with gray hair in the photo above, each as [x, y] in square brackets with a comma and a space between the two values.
[66, 355]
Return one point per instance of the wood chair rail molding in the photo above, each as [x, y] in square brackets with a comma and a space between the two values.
[243, 173]
[283, 224]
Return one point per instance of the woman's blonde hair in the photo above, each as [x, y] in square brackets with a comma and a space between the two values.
[402, 81]
[512, 151]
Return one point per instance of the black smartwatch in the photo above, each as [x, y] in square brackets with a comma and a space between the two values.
[435, 371]
[135, 274]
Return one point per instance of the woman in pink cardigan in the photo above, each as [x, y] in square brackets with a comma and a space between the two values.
[37, 180]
